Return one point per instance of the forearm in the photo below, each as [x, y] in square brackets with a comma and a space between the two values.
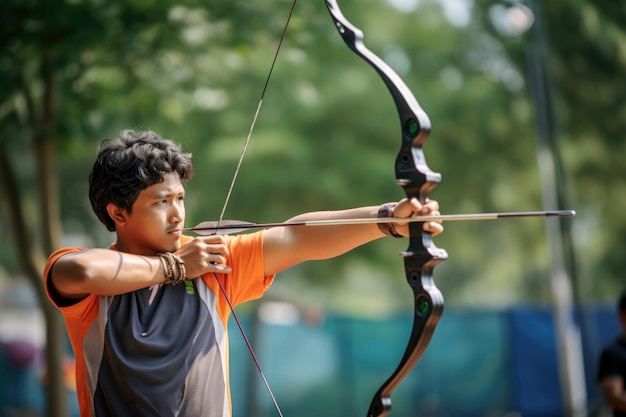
[287, 246]
[324, 242]
[105, 272]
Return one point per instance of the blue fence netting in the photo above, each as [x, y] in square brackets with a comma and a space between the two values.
[480, 363]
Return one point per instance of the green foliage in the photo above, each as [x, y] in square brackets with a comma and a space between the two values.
[327, 132]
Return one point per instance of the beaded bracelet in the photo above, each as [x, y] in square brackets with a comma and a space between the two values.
[175, 271]
[386, 211]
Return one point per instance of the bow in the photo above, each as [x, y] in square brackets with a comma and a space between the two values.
[417, 180]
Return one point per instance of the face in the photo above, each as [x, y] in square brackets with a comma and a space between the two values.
[156, 222]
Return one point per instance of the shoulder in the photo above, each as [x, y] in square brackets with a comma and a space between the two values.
[245, 241]
[237, 243]
[613, 358]
[244, 244]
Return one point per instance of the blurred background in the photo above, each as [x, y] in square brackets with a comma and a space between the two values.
[527, 104]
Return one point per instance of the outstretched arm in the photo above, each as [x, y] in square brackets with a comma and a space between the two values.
[287, 246]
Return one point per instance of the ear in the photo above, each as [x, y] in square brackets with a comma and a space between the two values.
[117, 213]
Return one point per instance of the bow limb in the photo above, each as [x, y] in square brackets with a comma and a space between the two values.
[417, 180]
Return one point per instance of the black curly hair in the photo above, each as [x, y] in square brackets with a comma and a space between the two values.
[130, 163]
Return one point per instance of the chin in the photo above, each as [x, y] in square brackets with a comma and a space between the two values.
[171, 247]
[176, 245]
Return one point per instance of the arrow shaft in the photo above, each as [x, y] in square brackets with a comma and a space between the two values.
[233, 225]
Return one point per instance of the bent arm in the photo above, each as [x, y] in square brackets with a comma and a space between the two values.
[104, 272]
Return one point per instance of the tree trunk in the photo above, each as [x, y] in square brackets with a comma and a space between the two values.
[55, 342]
[51, 227]
[32, 257]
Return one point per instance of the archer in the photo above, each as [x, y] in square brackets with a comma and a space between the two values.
[147, 317]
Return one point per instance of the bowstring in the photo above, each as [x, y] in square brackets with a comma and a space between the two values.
[249, 346]
[228, 195]
[256, 114]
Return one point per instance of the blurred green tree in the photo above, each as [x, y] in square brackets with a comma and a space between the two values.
[75, 71]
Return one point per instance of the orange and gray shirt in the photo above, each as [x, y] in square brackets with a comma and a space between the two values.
[162, 350]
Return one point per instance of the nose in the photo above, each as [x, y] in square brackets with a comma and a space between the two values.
[178, 214]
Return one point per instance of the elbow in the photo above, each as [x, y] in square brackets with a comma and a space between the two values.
[71, 277]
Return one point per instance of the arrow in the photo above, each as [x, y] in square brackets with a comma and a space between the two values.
[237, 226]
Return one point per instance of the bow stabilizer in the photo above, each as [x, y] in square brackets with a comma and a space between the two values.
[417, 180]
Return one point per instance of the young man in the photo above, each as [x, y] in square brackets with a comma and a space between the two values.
[612, 368]
[147, 318]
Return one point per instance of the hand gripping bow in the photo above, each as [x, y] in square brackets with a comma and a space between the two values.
[417, 180]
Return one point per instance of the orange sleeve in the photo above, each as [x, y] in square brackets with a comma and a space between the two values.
[78, 319]
[78, 316]
[246, 281]
[73, 310]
